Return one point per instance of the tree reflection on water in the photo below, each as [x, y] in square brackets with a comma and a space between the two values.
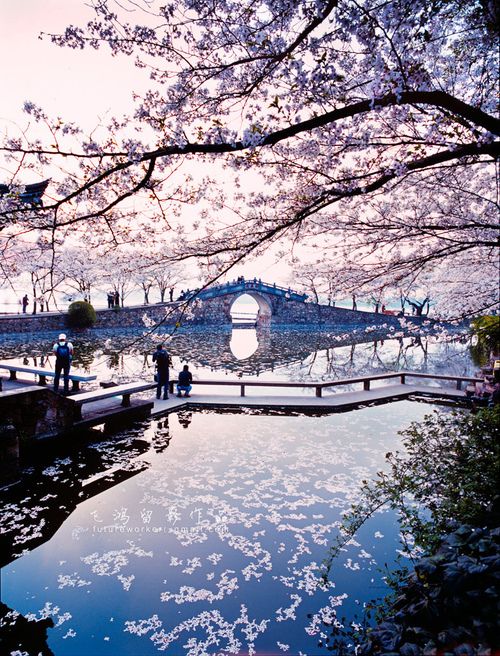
[294, 354]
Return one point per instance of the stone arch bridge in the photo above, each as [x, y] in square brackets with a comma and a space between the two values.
[276, 306]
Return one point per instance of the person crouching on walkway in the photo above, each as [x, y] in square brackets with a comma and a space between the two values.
[160, 356]
[63, 351]
[184, 382]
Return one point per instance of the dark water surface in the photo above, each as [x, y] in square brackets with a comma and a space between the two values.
[212, 542]
[299, 355]
[204, 532]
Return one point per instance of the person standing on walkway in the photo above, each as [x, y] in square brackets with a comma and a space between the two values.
[117, 299]
[25, 302]
[160, 356]
[63, 351]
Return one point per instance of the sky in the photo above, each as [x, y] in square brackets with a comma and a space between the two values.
[77, 85]
[81, 86]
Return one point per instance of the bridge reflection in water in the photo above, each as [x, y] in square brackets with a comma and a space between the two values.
[285, 354]
[244, 342]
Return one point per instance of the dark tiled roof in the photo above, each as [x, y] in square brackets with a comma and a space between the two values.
[32, 193]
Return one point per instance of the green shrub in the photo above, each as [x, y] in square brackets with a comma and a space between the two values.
[81, 315]
[487, 331]
[444, 486]
[447, 471]
[448, 605]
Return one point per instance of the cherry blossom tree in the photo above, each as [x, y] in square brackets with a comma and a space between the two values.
[167, 278]
[81, 269]
[325, 281]
[120, 272]
[365, 129]
[156, 268]
[35, 260]
[146, 281]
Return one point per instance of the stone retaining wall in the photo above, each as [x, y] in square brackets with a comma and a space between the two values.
[27, 323]
[210, 312]
[122, 318]
[35, 411]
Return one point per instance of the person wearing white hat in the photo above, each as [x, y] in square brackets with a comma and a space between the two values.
[63, 350]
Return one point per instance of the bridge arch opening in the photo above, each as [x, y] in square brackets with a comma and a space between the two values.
[249, 309]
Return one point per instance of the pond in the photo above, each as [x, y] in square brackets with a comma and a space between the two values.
[285, 354]
[202, 533]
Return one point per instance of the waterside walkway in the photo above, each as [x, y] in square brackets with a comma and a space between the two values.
[335, 402]
[330, 396]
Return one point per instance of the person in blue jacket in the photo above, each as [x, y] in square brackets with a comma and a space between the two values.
[184, 381]
[63, 351]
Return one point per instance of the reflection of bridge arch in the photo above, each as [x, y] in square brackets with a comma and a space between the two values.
[244, 342]
[264, 309]
[279, 350]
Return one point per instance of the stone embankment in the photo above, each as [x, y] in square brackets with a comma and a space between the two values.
[123, 318]
[211, 312]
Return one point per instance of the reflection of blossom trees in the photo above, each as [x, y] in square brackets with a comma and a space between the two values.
[281, 355]
[415, 353]
[57, 490]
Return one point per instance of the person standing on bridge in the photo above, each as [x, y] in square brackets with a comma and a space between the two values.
[63, 351]
[160, 356]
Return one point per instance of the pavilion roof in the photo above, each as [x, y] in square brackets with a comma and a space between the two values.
[32, 193]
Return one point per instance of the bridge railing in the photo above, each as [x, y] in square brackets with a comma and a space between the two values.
[320, 386]
[250, 285]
